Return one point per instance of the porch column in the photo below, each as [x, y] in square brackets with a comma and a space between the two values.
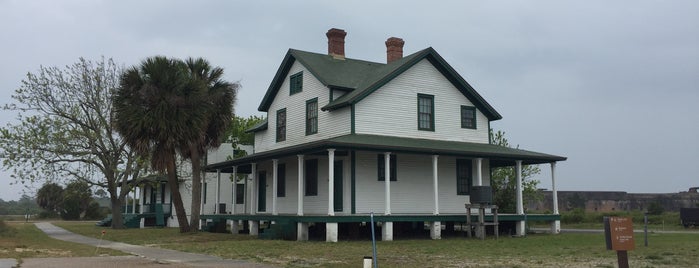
[254, 225]
[275, 162]
[253, 183]
[234, 223]
[555, 225]
[299, 209]
[387, 227]
[218, 193]
[234, 194]
[142, 202]
[246, 198]
[387, 183]
[435, 226]
[520, 203]
[133, 201]
[331, 227]
[435, 183]
[479, 171]
[301, 227]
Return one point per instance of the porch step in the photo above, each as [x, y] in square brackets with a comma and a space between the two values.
[283, 229]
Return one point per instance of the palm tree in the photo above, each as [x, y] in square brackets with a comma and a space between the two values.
[219, 98]
[157, 109]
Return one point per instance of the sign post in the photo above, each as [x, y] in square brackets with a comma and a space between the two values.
[618, 233]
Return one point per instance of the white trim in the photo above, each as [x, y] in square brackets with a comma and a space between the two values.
[520, 202]
[235, 189]
[435, 182]
[331, 184]
[300, 189]
[253, 202]
[387, 182]
[553, 188]
[275, 162]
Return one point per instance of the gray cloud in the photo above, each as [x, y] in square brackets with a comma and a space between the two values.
[611, 85]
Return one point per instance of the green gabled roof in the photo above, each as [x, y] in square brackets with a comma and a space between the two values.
[361, 78]
[498, 155]
[335, 73]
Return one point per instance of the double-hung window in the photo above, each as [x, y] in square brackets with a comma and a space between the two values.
[281, 180]
[312, 116]
[296, 83]
[468, 117]
[311, 169]
[425, 112]
[239, 193]
[464, 179]
[281, 125]
[381, 164]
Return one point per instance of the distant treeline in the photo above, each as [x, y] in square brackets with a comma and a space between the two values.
[25, 205]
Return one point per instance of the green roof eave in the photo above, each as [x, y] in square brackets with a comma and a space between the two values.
[276, 82]
[499, 155]
[262, 125]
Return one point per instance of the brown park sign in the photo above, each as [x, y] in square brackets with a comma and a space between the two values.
[618, 232]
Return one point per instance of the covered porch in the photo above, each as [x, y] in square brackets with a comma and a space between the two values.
[427, 153]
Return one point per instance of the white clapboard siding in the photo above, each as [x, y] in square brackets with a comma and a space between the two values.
[392, 109]
[330, 124]
[412, 193]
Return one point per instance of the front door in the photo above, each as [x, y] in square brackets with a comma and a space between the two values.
[262, 191]
[337, 182]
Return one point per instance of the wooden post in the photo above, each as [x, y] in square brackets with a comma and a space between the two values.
[622, 258]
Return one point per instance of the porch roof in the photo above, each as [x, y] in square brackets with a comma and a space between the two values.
[498, 155]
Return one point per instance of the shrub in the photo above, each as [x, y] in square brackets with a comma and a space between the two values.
[574, 216]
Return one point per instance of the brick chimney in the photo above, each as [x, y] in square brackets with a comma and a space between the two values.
[336, 43]
[394, 49]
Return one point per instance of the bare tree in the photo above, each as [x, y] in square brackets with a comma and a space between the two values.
[65, 131]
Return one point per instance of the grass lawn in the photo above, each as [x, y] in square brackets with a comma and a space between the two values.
[572, 250]
[26, 241]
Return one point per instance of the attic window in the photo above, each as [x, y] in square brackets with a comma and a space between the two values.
[468, 117]
[296, 83]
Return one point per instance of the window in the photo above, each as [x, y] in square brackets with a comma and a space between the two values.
[464, 179]
[296, 83]
[425, 112]
[312, 116]
[468, 117]
[311, 177]
[240, 193]
[281, 180]
[381, 163]
[281, 125]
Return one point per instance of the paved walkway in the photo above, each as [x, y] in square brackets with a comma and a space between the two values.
[150, 256]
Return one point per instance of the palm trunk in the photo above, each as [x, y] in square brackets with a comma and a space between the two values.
[196, 188]
[176, 197]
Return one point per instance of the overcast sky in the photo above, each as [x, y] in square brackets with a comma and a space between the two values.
[612, 85]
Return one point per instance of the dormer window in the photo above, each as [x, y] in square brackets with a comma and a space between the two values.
[468, 117]
[296, 83]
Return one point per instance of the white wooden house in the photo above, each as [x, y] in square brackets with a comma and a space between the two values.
[337, 127]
